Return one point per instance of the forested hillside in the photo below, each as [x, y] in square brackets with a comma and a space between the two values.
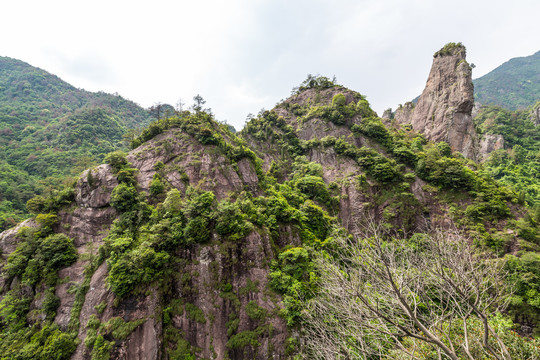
[49, 130]
[513, 85]
[518, 164]
[319, 231]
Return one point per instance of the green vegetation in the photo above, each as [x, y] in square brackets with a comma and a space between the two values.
[293, 216]
[35, 263]
[100, 336]
[517, 165]
[51, 130]
[513, 85]
[450, 49]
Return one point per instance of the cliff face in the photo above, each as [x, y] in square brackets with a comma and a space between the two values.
[198, 243]
[361, 200]
[443, 111]
[199, 308]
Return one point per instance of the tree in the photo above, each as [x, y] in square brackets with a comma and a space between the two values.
[199, 102]
[381, 296]
[156, 110]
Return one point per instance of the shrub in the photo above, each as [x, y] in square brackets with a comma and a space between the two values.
[156, 186]
[124, 197]
[56, 251]
[36, 204]
[444, 149]
[339, 100]
[117, 160]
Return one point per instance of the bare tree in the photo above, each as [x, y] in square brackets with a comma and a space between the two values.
[383, 296]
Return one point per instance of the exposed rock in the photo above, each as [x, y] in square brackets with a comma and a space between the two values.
[8, 238]
[356, 205]
[490, 143]
[535, 114]
[403, 114]
[476, 109]
[387, 114]
[186, 161]
[443, 111]
[94, 187]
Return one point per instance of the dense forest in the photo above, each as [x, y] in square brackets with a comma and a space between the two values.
[50, 130]
[518, 164]
[318, 231]
[513, 85]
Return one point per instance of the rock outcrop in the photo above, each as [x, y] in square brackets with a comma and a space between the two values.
[403, 114]
[535, 114]
[443, 111]
[490, 143]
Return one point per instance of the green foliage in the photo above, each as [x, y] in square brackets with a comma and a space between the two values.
[374, 128]
[141, 265]
[117, 160]
[364, 110]
[124, 197]
[255, 312]
[518, 165]
[36, 204]
[316, 82]
[444, 171]
[292, 275]
[195, 313]
[36, 258]
[339, 100]
[375, 164]
[156, 186]
[231, 222]
[51, 130]
[182, 349]
[524, 277]
[450, 49]
[243, 339]
[444, 149]
[513, 85]
[34, 343]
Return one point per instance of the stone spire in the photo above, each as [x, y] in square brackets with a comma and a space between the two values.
[443, 111]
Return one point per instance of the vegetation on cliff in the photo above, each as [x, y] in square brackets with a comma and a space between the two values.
[50, 130]
[518, 164]
[311, 173]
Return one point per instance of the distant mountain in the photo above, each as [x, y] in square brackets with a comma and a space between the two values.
[513, 85]
[50, 129]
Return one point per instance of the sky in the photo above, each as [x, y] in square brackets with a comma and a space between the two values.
[245, 55]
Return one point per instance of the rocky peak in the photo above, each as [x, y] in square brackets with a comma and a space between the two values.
[443, 111]
[404, 113]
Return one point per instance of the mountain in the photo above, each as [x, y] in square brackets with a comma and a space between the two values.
[204, 244]
[513, 85]
[516, 160]
[50, 129]
[443, 111]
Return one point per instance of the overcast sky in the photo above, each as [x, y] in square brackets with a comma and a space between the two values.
[244, 55]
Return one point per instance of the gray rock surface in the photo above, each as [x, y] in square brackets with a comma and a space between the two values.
[490, 143]
[443, 111]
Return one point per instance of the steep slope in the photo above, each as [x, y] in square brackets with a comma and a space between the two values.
[187, 258]
[203, 244]
[517, 162]
[513, 85]
[49, 129]
[443, 111]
